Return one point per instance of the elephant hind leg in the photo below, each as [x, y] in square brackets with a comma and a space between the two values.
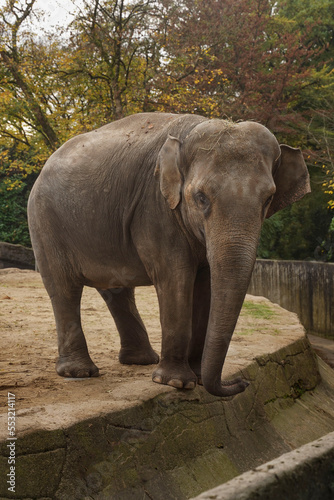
[135, 345]
[65, 294]
[74, 360]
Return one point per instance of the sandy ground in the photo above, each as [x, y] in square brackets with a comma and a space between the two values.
[28, 350]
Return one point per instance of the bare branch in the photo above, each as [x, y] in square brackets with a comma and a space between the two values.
[5, 133]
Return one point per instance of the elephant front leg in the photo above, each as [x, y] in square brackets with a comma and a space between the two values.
[135, 345]
[74, 360]
[176, 319]
[200, 317]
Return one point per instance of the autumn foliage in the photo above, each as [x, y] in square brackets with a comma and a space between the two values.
[238, 59]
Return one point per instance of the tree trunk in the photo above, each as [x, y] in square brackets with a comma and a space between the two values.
[41, 120]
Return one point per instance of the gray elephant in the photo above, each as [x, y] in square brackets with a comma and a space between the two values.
[176, 201]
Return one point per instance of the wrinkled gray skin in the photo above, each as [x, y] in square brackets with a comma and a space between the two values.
[176, 201]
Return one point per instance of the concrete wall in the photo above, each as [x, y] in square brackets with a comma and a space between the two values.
[16, 256]
[306, 288]
[177, 444]
[303, 474]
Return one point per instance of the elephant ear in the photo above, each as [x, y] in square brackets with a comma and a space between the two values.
[291, 178]
[167, 169]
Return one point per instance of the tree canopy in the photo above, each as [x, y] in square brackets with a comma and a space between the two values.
[264, 60]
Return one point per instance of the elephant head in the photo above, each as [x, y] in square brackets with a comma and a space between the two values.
[224, 179]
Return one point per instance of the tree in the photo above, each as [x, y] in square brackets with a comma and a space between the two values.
[235, 59]
[316, 99]
[27, 128]
[17, 78]
[264, 60]
[112, 54]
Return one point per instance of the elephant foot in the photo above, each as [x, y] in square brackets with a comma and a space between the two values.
[175, 374]
[68, 366]
[196, 368]
[139, 357]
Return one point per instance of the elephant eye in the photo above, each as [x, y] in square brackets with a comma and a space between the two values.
[202, 201]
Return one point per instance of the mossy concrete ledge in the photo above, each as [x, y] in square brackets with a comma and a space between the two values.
[303, 474]
[177, 444]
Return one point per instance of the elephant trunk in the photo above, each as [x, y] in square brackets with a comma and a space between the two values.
[231, 265]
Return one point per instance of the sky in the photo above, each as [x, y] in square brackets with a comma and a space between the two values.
[58, 12]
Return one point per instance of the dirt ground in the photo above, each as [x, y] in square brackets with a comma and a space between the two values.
[28, 350]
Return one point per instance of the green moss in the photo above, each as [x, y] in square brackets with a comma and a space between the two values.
[36, 442]
[197, 475]
[37, 475]
[247, 331]
[298, 389]
[258, 311]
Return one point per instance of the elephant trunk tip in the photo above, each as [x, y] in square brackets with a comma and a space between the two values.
[223, 388]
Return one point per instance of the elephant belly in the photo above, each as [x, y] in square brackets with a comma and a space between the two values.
[115, 276]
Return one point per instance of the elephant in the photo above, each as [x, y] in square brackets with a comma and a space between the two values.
[176, 201]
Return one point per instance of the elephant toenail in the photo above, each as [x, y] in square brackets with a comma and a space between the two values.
[190, 385]
[175, 383]
[157, 379]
